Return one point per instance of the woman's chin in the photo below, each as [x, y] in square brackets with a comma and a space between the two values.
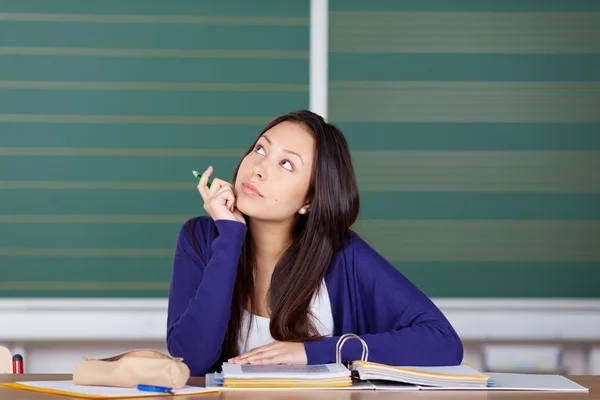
[245, 208]
[255, 212]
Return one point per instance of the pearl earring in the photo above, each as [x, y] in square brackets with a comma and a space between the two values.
[303, 210]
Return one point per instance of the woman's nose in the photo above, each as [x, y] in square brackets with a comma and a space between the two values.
[258, 170]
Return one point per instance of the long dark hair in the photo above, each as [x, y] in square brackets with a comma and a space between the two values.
[335, 204]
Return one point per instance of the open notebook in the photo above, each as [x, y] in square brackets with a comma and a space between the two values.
[362, 374]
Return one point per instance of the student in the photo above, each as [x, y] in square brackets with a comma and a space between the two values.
[273, 275]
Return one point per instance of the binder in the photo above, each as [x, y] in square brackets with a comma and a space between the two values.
[366, 375]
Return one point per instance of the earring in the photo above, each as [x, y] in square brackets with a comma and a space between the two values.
[303, 210]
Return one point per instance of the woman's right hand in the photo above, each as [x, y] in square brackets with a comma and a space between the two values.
[219, 200]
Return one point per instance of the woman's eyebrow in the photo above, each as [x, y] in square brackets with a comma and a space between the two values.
[285, 150]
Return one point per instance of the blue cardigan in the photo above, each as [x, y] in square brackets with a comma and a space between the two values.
[368, 295]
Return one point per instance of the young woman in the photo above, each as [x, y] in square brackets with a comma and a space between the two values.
[274, 275]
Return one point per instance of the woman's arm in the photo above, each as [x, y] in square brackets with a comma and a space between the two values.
[405, 327]
[200, 295]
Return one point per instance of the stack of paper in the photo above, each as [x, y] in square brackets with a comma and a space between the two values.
[285, 376]
[458, 376]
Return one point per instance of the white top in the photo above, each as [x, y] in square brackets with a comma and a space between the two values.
[320, 307]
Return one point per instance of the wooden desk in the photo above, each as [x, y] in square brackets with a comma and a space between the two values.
[590, 381]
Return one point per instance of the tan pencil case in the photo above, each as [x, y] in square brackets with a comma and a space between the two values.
[132, 368]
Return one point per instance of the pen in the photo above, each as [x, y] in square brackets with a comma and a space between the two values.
[198, 176]
[157, 389]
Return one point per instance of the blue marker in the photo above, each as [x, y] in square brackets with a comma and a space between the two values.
[157, 389]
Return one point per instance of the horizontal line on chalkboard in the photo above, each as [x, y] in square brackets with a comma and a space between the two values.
[65, 252]
[117, 152]
[167, 53]
[14, 286]
[172, 86]
[156, 19]
[132, 119]
[91, 185]
[91, 219]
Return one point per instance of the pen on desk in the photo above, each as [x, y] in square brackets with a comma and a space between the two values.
[17, 364]
[157, 389]
[198, 176]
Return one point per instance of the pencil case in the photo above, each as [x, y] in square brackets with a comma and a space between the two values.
[132, 368]
[5, 361]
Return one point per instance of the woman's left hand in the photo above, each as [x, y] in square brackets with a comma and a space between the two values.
[274, 353]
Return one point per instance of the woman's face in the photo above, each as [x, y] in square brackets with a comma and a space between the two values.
[274, 178]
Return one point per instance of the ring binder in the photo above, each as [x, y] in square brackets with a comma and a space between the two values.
[340, 343]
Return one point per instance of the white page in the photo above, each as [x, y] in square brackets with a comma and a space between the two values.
[455, 376]
[321, 371]
[69, 386]
[509, 381]
[462, 369]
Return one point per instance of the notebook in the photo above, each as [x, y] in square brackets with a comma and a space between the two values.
[365, 375]
[285, 376]
[215, 381]
[68, 388]
[456, 376]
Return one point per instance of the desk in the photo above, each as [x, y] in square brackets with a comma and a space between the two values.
[590, 381]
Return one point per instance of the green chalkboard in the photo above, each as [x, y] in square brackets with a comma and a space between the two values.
[477, 128]
[106, 108]
[474, 127]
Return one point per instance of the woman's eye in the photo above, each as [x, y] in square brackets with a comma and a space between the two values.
[287, 165]
[260, 150]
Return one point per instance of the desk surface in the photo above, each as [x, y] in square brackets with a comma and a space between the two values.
[590, 381]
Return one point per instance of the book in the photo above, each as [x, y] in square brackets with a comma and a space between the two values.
[365, 375]
[446, 376]
[297, 376]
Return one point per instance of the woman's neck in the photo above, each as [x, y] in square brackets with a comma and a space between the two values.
[270, 240]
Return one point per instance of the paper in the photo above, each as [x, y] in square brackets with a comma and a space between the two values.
[215, 382]
[454, 376]
[539, 382]
[67, 388]
[452, 371]
[322, 371]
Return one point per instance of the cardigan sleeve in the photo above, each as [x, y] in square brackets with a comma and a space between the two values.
[200, 292]
[403, 326]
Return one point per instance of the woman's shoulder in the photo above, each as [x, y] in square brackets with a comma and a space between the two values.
[353, 242]
[358, 253]
[344, 256]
